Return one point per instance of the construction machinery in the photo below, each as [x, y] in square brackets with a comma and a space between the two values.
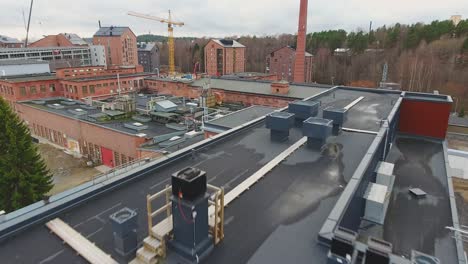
[170, 23]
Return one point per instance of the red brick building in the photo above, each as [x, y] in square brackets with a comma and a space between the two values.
[120, 45]
[19, 88]
[60, 40]
[103, 85]
[224, 57]
[7, 42]
[98, 143]
[74, 83]
[282, 63]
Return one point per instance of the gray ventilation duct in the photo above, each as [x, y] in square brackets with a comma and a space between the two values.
[279, 123]
[303, 110]
[317, 130]
[338, 115]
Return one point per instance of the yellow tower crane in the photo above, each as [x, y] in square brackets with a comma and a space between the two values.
[170, 30]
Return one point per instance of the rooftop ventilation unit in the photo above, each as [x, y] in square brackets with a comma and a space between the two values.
[68, 102]
[421, 258]
[88, 107]
[190, 215]
[78, 111]
[317, 130]
[140, 118]
[338, 115]
[342, 246]
[279, 123]
[136, 126]
[378, 251]
[38, 102]
[56, 106]
[303, 110]
[124, 225]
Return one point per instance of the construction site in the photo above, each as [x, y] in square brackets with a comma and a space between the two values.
[228, 166]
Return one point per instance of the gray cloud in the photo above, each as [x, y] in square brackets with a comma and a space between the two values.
[218, 18]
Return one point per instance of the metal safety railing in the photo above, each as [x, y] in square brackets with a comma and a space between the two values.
[123, 168]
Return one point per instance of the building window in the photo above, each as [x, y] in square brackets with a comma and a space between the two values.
[33, 90]
[75, 89]
[105, 84]
[111, 84]
[91, 89]
[23, 91]
[99, 85]
[52, 87]
[84, 89]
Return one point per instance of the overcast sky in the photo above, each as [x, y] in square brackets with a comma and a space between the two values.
[218, 18]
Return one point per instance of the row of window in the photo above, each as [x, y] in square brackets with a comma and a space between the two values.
[34, 90]
[50, 134]
[6, 89]
[92, 88]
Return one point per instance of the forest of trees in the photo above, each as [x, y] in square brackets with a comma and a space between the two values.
[421, 57]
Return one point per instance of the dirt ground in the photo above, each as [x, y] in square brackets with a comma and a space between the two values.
[458, 144]
[68, 171]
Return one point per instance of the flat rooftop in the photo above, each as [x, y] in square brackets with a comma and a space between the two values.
[107, 77]
[417, 223]
[286, 207]
[154, 128]
[28, 78]
[263, 87]
[240, 117]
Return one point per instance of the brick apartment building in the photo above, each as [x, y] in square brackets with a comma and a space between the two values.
[148, 56]
[224, 57]
[120, 45]
[59, 40]
[281, 62]
[7, 42]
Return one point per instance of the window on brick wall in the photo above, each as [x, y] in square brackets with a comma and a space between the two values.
[43, 88]
[52, 87]
[91, 89]
[84, 89]
[75, 89]
[33, 90]
[99, 85]
[105, 84]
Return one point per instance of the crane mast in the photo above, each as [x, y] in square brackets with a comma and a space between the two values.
[170, 29]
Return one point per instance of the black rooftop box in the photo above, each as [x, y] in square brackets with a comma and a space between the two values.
[190, 182]
[227, 41]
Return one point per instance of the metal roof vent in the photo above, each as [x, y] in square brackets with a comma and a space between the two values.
[279, 123]
[38, 102]
[56, 106]
[378, 251]
[124, 229]
[77, 111]
[317, 130]
[342, 245]
[421, 258]
[68, 102]
[136, 126]
[303, 110]
[338, 115]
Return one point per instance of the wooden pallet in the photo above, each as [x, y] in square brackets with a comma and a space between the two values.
[83, 246]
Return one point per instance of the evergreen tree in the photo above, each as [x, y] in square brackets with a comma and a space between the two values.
[24, 177]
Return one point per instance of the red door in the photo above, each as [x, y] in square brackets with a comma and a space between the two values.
[107, 157]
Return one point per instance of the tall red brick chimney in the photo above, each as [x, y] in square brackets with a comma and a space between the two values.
[299, 64]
